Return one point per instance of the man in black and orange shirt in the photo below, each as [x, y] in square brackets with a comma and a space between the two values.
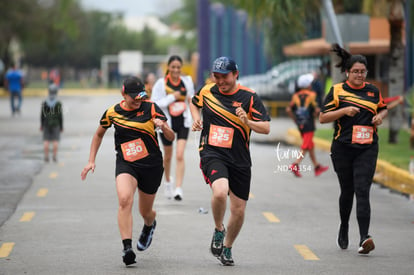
[230, 112]
[357, 108]
[303, 109]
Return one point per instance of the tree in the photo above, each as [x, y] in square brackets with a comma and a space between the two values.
[394, 10]
[17, 19]
[285, 20]
[148, 45]
[58, 33]
[52, 28]
[186, 19]
[284, 14]
[396, 70]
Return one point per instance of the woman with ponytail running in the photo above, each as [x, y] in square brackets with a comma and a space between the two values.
[357, 108]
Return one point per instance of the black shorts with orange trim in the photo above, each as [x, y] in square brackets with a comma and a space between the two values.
[238, 177]
[149, 179]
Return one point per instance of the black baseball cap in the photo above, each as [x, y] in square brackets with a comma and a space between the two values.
[135, 88]
[224, 65]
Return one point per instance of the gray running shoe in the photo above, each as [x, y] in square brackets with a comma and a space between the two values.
[217, 242]
[226, 258]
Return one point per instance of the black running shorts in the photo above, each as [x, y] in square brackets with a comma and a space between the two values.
[238, 177]
[182, 133]
[178, 127]
[149, 179]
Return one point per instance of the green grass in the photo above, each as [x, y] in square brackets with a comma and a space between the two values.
[396, 154]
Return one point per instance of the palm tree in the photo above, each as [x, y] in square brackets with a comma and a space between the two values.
[283, 19]
[396, 70]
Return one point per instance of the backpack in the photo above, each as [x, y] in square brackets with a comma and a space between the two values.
[51, 115]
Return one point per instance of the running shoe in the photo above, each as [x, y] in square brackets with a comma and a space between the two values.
[295, 170]
[216, 247]
[168, 189]
[320, 169]
[128, 256]
[146, 236]
[225, 257]
[178, 194]
[366, 245]
[342, 240]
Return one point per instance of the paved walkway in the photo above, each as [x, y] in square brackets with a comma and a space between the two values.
[62, 225]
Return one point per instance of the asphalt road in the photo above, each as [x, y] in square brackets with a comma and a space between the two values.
[54, 223]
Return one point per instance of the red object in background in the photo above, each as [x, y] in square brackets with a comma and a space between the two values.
[391, 99]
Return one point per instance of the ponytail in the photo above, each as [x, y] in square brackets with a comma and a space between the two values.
[347, 59]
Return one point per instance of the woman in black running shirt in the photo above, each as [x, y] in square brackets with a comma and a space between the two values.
[357, 108]
[139, 163]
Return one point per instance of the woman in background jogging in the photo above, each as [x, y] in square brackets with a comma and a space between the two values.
[173, 94]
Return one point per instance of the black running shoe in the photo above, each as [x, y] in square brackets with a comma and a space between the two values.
[225, 257]
[128, 256]
[342, 240]
[366, 245]
[217, 242]
[146, 236]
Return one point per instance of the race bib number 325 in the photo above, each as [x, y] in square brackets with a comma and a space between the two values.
[134, 150]
[220, 136]
[362, 134]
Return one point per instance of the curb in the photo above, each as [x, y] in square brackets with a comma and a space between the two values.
[386, 174]
[42, 92]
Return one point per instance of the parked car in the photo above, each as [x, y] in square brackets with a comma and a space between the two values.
[279, 82]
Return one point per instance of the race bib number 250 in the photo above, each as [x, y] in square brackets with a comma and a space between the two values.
[134, 150]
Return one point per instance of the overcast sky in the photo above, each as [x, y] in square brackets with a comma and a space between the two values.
[133, 7]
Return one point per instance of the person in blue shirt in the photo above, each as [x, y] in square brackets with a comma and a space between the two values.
[13, 83]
